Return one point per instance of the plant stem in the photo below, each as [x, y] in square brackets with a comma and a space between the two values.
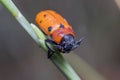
[39, 38]
[20, 18]
[58, 59]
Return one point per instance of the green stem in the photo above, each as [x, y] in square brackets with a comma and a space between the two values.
[39, 38]
[19, 17]
[58, 59]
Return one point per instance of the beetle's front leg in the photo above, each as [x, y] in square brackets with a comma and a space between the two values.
[50, 51]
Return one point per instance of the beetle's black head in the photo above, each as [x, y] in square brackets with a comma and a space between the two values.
[67, 44]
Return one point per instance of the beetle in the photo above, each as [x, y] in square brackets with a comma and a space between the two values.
[61, 33]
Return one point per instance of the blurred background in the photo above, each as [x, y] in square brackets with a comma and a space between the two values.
[98, 20]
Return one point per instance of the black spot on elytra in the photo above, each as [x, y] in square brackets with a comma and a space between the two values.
[40, 21]
[50, 28]
[44, 15]
[61, 26]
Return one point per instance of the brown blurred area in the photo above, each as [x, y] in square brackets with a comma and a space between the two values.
[98, 20]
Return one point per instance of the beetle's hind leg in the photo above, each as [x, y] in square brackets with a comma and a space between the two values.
[50, 51]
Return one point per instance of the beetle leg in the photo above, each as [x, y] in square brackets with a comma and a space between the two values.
[50, 51]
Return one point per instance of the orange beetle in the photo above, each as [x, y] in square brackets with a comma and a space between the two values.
[61, 33]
